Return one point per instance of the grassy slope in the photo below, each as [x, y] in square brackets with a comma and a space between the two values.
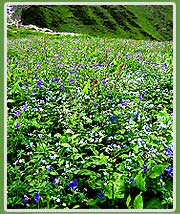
[138, 22]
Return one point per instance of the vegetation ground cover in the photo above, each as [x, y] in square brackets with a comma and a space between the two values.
[89, 123]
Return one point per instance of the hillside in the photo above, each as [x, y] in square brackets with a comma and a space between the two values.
[137, 22]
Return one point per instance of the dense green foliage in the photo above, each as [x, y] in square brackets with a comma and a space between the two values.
[89, 123]
[137, 22]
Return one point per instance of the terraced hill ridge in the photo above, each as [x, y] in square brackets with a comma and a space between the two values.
[124, 21]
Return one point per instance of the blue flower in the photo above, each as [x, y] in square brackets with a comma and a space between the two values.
[25, 199]
[37, 197]
[137, 114]
[24, 108]
[39, 83]
[17, 125]
[168, 152]
[62, 89]
[132, 181]
[100, 195]
[95, 105]
[104, 82]
[73, 184]
[123, 103]
[112, 118]
[20, 84]
[140, 98]
[145, 168]
[169, 171]
[49, 167]
[161, 176]
[34, 92]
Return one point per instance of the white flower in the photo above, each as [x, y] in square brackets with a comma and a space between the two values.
[58, 200]
[69, 131]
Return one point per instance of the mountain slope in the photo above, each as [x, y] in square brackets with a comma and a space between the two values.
[125, 21]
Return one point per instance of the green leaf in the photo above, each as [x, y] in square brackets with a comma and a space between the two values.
[119, 186]
[10, 101]
[136, 149]
[74, 150]
[140, 182]
[128, 201]
[54, 173]
[154, 203]
[86, 87]
[76, 206]
[108, 191]
[65, 145]
[138, 202]
[103, 158]
[157, 170]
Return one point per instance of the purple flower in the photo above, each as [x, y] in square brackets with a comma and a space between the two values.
[20, 84]
[25, 199]
[169, 171]
[37, 197]
[18, 113]
[39, 83]
[56, 180]
[168, 152]
[112, 118]
[24, 108]
[164, 66]
[71, 81]
[18, 62]
[73, 184]
[145, 168]
[35, 74]
[132, 181]
[95, 105]
[17, 125]
[100, 195]
[131, 119]
[49, 167]
[70, 72]
[62, 89]
[140, 98]
[56, 79]
[27, 83]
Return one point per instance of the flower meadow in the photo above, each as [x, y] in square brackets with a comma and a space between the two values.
[90, 123]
